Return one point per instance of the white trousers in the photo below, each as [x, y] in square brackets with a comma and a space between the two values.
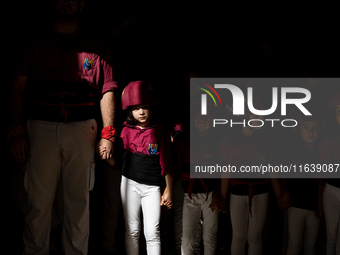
[246, 227]
[331, 209]
[178, 200]
[193, 210]
[136, 197]
[303, 228]
[59, 152]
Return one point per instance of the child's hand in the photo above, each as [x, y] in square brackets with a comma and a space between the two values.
[101, 151]
[217, 203]
[166, 199]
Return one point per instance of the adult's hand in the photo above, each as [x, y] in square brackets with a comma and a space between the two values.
[285, 201]
[217, 203]
[108, 153]
[19, 147]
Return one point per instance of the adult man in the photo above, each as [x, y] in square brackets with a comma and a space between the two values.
[61, 72]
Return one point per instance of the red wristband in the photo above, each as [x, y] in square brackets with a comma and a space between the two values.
[109, 133]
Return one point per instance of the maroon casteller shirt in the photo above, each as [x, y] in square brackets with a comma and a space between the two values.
[66, 74]
[152, 140]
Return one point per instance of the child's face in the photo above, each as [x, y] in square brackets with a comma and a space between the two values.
[142, 113]
[309, 131]
[203, 123]
[337, 113]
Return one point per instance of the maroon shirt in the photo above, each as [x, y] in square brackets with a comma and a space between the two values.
[149, 140]
[49, 58]
[199, 154]
[238, 150]
[66, 75]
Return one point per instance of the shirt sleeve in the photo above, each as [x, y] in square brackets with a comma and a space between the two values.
[107, 74]
[165, 154]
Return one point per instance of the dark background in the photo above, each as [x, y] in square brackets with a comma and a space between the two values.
[163, 42]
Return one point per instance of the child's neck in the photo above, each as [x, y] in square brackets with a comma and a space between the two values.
[144, 125]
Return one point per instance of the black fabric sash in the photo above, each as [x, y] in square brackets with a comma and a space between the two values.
[142, 168]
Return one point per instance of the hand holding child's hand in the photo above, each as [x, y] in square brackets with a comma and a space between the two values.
[217, 203]
[101, 150]
[108, 153]
[166, 199]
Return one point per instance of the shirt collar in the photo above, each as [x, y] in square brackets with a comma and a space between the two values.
[136, 127]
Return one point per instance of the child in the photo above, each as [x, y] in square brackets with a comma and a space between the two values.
[198, 193]
[146, 158]
[330, 154]
[306, 210]
[249, 197]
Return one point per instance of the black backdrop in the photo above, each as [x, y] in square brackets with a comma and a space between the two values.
[162, 42]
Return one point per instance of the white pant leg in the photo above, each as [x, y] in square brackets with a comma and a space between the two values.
[198, 239]
[210, 225]
[331, 208]
[151, 199]
[311, 233]
[239, 214]
[256, 223]
[296, 223]
[131, 203]
[78, 141]
[191, 218]
[66, 149]
[41, 178]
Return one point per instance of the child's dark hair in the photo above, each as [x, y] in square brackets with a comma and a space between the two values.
[129, 117]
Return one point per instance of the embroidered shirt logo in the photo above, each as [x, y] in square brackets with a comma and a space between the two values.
[88, 63]
[153, 148]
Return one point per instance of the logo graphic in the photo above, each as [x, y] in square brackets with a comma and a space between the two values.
[88, 64]
[238, 100]
[244, 102]
[153, 148]
[204, 97]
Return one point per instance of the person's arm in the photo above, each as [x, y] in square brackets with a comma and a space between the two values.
[217, 202]
[107, 107]
[276, 187]
[18, 143]
[284, 202]
[224, 188]
[166, 199]
[166, 163]
[107, 102]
